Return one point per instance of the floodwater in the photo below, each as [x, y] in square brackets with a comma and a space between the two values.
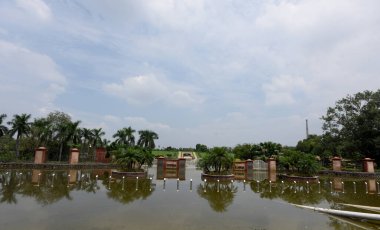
[90, 199]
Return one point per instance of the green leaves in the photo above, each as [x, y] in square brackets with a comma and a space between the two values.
[353, 125]
[218, 160]
[131, 158]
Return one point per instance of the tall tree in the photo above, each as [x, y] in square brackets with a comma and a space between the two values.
[353, 125]
[97, 136]
[147, 138]
[20, 126]
[125, 136]
[66, 132]
[3, 128]
[41, 131]
[88, 138]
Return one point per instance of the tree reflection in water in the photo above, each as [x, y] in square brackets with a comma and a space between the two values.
[128, 190]
[46, 188]
[218, 194]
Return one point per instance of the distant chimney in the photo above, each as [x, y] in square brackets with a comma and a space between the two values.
[307, 129]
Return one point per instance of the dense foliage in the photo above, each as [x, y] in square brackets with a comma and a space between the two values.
[58, 133]
[218, 161]
[352, 127]
[294, 161]
[254, 151]
[132, 158]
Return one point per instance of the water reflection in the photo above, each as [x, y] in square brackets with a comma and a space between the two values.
[48, 187]
[125, 190]
[218, 194]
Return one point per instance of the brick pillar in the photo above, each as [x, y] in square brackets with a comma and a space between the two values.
[337, 164]
[368, 165]
[272, 175]
[338, 186]
[160, 168]
[271, 164]
[36, 176]
[249, 169]
[181, 167]
[248, 164]
[40, 155]
[72, 176]
[74, 156]
[101, 155]
[372, 186]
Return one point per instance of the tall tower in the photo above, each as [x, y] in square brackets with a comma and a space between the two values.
[307, 129]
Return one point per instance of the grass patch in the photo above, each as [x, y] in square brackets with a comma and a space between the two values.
[164, 153]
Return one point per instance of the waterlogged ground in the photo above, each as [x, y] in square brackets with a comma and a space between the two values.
[72, 199]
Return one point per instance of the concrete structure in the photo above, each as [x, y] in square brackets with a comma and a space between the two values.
[40, 155]
[272, 164]
[272, 175]
[337, 164]
[368, 165]
[101, 155]
[74, 156]
[171, 168]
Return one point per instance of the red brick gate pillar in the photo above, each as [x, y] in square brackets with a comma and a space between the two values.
[40, 155]
[74, 156]
[337, 164]
[368, 165]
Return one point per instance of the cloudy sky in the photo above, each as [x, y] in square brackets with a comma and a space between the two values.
[216, 72]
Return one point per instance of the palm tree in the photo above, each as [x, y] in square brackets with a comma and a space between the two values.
[87, 136]
[130, 137]
[147, 138]
[65, 133]
[21, 127]
[3, 128]
[97, 136]
[125, 136]
[41, 131]
[218, 160]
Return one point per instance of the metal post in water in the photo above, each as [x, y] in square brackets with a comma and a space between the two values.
[378, 191]
[150, 184]
[354, 187]
[319, 187]
[218, 185]
[109, 182]
[204, 185]
[177, 184]
[331, 188]
[342, 186]
[164, 185]
[68, 180]
[137, 183]
[270, 186]
[307, 186]
[39, 177]
[122, 188]
[258, 186]
[191, 185]
[295, 187]
[282, 186]
[366, 187]
[52, 180]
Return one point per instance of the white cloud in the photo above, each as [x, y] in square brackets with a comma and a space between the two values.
[36, 7]
[149, 89]
[281, 90]
[141, 123]
[32, 80]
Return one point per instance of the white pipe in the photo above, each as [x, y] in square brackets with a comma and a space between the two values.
[369, 208]
[361, 215]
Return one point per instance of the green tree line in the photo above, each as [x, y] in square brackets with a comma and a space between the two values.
[20, 136]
